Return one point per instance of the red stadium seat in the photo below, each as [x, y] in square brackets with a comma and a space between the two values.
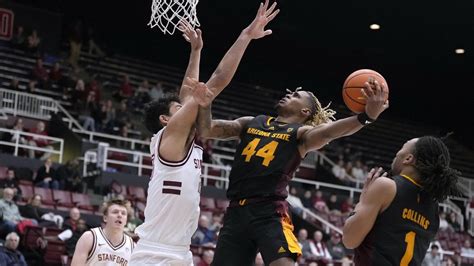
[118, 156]
[443, 235]
[30, 240]
[306, 173]
[26, 192]
[63, 199]
[3, 172]
[444, 244]
[82, 202]
[25, 182]
[54, 250]
[147, 161]
[47, 196]
[454, 246]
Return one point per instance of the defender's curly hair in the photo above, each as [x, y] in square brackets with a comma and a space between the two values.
[432, 161]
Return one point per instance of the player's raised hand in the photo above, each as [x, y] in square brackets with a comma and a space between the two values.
[190, 35]
[201, 94]
[265, 14]
[371, 176]
[376, 95]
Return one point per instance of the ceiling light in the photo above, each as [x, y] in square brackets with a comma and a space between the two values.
[459, 51]
[374, 26]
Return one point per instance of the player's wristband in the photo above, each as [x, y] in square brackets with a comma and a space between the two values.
[364, 119]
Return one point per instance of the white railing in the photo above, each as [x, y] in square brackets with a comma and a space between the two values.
[471, 227]
[222, 180]
[317, 185]
[135, 156]
[466, 186]
[98, 136]
[452, 207]
[327, 225]
[25, 104]
[135, 160]
[69, 119]
[322, 159]
[31, 105]
[40, 107]
[18, 135]
[218, 158]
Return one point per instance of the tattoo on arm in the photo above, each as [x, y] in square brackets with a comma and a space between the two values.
[223, 129]
[204, 121]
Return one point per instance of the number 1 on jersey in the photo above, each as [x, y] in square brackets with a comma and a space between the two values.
[266, 152]
[410, 240]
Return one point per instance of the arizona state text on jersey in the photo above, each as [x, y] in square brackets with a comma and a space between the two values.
[265, 159]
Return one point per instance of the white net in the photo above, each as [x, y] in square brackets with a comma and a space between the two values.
[166, 14]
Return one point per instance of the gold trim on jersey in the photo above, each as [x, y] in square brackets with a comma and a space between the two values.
[411, 180]
[269, 120]
[291, 240]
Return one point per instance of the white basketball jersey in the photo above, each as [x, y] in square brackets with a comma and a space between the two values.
[172, 208]
[104, 253]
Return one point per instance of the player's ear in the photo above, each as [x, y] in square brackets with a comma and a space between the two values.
[306, 112]
[409, 159]
[164, 119]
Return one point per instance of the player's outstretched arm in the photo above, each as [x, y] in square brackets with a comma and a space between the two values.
[229, 63]
[194, 37]
[175, 136]
[314, 138]
[218, 129]
[83, 247]
[377, 194]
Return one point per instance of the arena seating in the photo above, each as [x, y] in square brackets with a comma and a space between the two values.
[237, 100]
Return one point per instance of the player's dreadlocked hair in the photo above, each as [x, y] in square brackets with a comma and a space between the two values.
[432, 161]
[319, 114]
[154, 109]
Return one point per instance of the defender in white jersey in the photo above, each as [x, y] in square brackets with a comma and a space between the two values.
[108, 245]
[172, 210]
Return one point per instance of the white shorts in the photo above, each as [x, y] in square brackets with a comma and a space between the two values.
[160, 255]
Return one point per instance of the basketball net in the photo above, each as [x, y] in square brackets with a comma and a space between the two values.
[166, 14]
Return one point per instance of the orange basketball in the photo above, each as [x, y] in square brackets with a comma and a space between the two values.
[353, 97]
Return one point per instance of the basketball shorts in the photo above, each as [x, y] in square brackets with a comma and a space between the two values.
[252, 227]
[160, 255]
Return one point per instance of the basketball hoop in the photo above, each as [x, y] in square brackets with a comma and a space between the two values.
[166, 14]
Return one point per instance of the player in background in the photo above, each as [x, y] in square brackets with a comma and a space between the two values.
[397, 218]
[108, 245]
